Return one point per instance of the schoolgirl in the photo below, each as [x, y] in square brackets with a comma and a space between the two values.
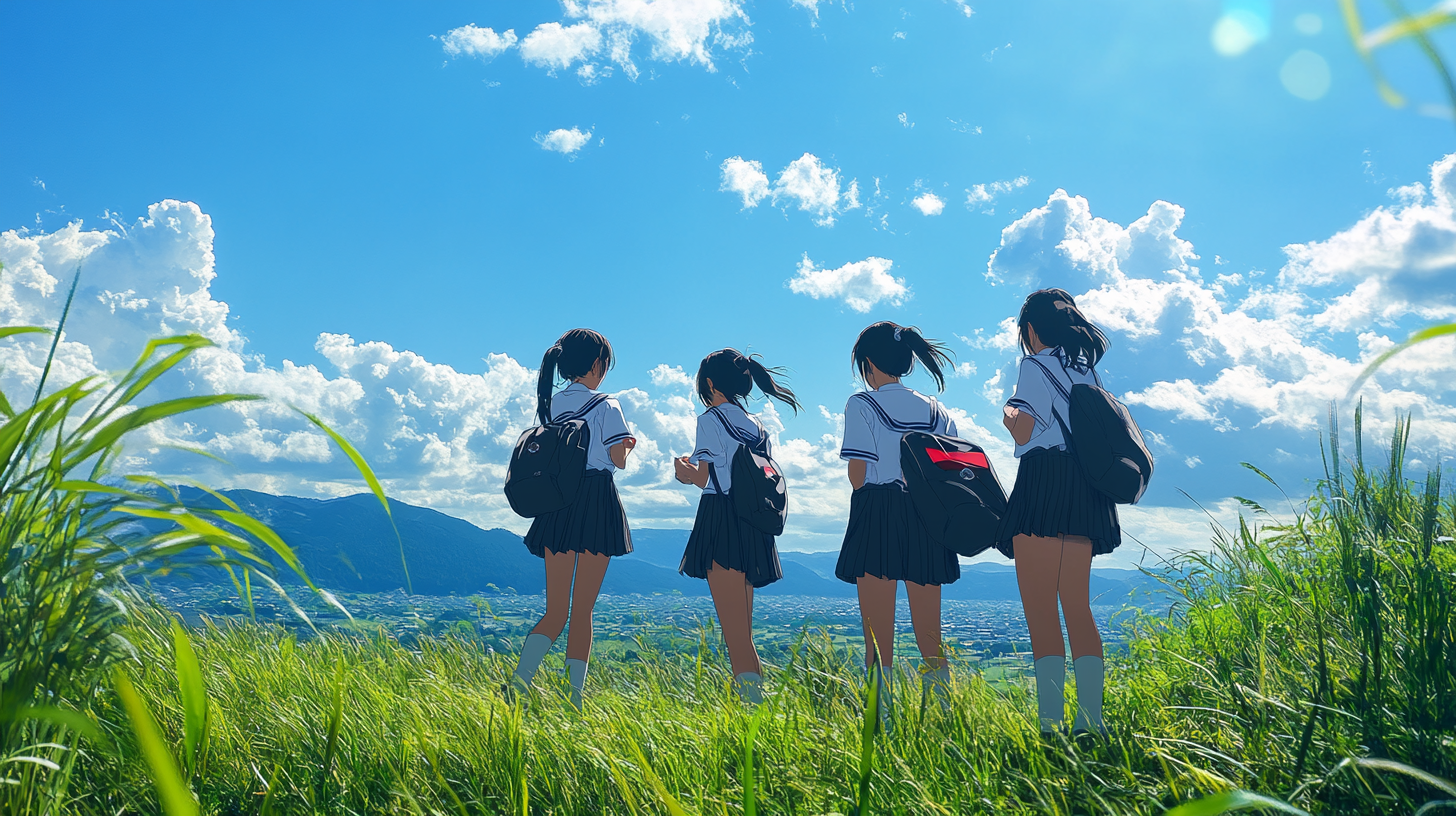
[576, 542]
[886, 541]
[731, 554]
[1056, 521]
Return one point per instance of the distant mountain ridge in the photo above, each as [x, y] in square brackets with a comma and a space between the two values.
[346, 544]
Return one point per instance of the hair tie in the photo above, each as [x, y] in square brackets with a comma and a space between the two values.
[741, 363]
[897, 334]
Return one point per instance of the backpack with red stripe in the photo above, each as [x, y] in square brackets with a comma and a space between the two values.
[955, 490]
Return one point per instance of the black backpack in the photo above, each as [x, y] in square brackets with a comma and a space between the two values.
[548, 463]
[1104, 439]
[954, 489]
[760, 493]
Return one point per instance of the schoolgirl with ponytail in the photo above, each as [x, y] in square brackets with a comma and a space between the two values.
[724, 548]
[886, 542]
[577, 542]
[1056, 521]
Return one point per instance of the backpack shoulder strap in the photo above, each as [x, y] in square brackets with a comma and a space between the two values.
[1066, 395]
[713, 475]
[1056, 383]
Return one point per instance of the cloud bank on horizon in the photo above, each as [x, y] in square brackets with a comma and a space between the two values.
[1235, 344]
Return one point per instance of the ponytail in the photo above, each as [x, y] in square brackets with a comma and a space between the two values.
[1060, 324]
[768, 385]
[893, 349]
[931, 355]
[545, 381]
[575, 355]
[734, 375]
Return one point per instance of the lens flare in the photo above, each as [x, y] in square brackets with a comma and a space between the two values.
[1306, 75]
[1237, 31]
[1309, 24]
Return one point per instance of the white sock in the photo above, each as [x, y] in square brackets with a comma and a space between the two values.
[532, 653]
[1051, 674]
[937, 682]
[576, 675]
[750, 687]
[1089, 671]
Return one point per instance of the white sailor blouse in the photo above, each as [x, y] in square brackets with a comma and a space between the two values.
[875, 420]
[720, 431]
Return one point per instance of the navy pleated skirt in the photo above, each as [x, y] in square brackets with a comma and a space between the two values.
[886, 539]
[1052, 498]
[722, 536]
[594, 523]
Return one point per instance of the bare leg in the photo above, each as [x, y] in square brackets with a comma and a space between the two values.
[877, 610]
[590, 570]
[1072, 587]
[925, 618]
[1038, 567]
[559, 569]
[731, 590]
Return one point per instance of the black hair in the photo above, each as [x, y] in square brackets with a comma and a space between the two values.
[894, 349]
[574, 355]
[1060, 324]
[733, 375]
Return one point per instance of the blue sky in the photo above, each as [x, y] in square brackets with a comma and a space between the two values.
[384, 173]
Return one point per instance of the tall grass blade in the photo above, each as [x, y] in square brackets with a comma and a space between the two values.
[369, 478]
[867, 731]
[267, 807]
[194, 699]
[750, 790]
[65, 718]
[175, 797]
[1419, 337]
[1230, 801]
[56, 340]
[674, 808]
[336, 716]
[1392, 766]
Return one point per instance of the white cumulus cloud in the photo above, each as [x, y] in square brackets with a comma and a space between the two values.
[745, 178]
[929, 204]
[471, 41]
[562, 140]
[812, 185]
[555, 47]
[807, 183]
[861, 285]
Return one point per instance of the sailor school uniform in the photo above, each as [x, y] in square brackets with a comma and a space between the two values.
[1051, 496]
[721, 536]
[594, 522]
[885, 537]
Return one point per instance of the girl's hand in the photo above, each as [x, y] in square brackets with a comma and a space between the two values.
[689, 473]
[1021, 425]
[683, 470]
[1009, 415]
